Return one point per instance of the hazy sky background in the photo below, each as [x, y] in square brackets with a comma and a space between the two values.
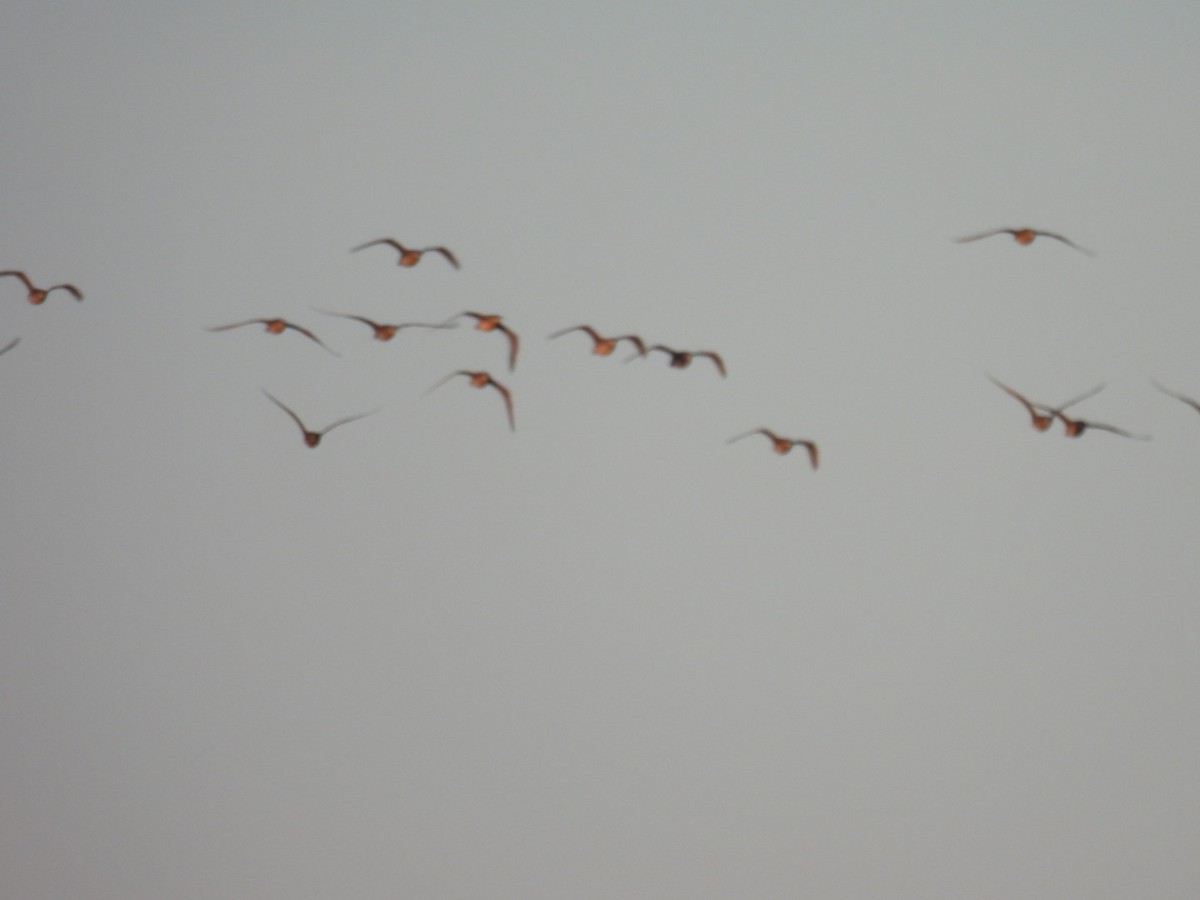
[608, 655]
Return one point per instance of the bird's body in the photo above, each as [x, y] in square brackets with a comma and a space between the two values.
[783, 445]
[482, 380]
[312, 438]
[409, 256]
[1023, 236]
[275, 326]
[601, 345]
[38, 295]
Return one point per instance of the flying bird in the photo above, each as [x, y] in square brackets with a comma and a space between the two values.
[1041, 420]
[482, 380]
[1076, 427]
[782, 445]
[1170, 393]
[385, 332]
[681, 359]
[9, 345]
[312, 438]
[603, 346]
[1023, 236]
[492, 322]
[38, 295]
[409, 256]
[275, 326]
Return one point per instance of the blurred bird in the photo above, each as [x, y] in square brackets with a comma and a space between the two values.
[482, 380]
[384, 332]
[1170, 393]
[1023, 236]
[275, 326]
[492, 322]
[409, 256]
[10, 345]
[603, 346]
[38, 295]
[1076, 427]
[681, 359]
[312, 438]
[1041, 421]
[782, 445]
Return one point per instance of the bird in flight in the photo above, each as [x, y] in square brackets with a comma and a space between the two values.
[1170, 393]
[1023, 236]
[603, 346]
[38, 295]
[782, 445]
[385, 332]
[409, 256]
[1076, 427]
[275, 326]
[1042, 416]
[681, 359]
[482, 380]
[9, 345]
[492, 322]
[312, 438]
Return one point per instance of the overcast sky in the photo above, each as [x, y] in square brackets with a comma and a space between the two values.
[608, 655]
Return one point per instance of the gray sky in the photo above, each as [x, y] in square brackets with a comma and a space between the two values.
[608, 655]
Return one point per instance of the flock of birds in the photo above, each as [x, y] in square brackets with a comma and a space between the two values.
[1042, 415]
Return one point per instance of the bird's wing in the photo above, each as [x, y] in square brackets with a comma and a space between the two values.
[635, 340]
[587, 328]
[69, 288]
[237, 324]
[813, 455]
[446, 253]
[1097, 389]
[10, 345]
[312, 337]
[1170, 393]
[508, 402]
[391, 242]
[447, 378]
[280, 404]
[749, 433]
[340, 422]
[1068, 242]
[16, 273]
[982, 234]
[513, 345]
[717, 361]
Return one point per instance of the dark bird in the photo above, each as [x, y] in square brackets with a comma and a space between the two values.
[312, 438]
[1076, 427]
[409, 256]
[1170, 393]
[482, 380]
[782, 445]
[39, 295]
[10, 345]
[681, 359]
[1023, 236]
[275, 326]
[492, 322]
[385, 332]
[603, 346]
[1042, 416]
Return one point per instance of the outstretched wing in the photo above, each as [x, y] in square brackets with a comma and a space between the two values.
[69, 288]
[238, 324]
[717, 361]
[983, 234]
[10, 345]
[280, 404]
[1068, 242]
[391, 242]
[446, 253]
[19, 274]
[508, 402]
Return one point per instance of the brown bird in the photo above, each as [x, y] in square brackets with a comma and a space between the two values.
[1023, 236]
[492, 322]
[10, 345]
[409, 256]
[1076, 427]
[276, 326]
[385, 332]
[37, 294]
[604, 346]
[782, 445]
[312, 438]
[681, 359]
[482, 380]
[1041, 421]
[1170, 393]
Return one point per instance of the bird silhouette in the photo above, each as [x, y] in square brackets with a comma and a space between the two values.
[482, 380]
[1023, 236]
[1170, 393]
[276, 326]
[312, 438]
[492, 322]
[1041, 421]
[603, 346]
[681, 359]
[38, 295]
[782, 445]
[1076, 427]
[385, 332]
[409, 256]
[10, 345]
